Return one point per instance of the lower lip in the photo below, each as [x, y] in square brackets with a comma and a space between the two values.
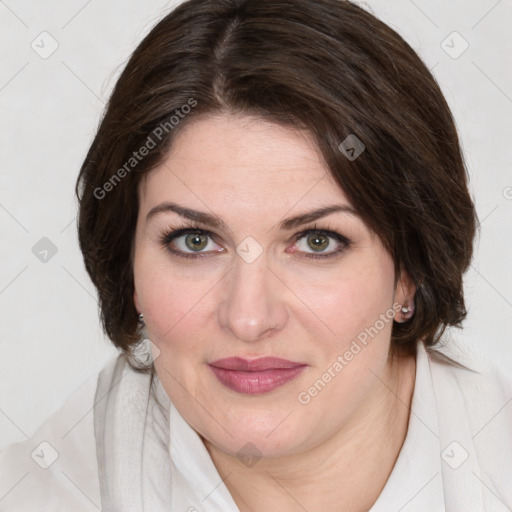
[254, 383]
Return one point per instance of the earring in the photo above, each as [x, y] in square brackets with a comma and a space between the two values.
[407, 311]
[144, 352]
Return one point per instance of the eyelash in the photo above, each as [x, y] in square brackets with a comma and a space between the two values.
[188, 229]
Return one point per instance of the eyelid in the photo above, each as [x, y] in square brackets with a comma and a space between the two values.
[326, 231]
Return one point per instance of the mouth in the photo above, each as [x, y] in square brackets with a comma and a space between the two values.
[256, 376]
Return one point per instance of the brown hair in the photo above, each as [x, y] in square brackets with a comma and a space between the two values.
[327, 66]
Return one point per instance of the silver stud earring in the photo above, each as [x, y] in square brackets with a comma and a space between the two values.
[405, 309]
[141, 319]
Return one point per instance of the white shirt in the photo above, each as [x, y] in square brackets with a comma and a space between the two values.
[457, 455]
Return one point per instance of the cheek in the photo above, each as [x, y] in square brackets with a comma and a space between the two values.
[175, 304]
[351, 298]
[351, 304]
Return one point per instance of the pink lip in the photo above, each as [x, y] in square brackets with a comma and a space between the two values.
[255, 376]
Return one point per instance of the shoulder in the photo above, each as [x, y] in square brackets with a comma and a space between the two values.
[56, 469]
[476, 375]
[474, 405]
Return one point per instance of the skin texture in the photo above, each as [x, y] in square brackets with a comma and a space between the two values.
[341, 446]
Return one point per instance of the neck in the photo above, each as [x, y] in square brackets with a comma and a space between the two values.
[349, 469]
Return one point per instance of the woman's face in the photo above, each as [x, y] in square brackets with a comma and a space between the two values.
[255, 284]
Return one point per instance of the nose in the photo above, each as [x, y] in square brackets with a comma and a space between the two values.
[253, 306]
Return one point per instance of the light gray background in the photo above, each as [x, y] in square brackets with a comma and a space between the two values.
[50, 338]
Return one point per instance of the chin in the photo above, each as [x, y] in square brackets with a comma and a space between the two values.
[261, 434]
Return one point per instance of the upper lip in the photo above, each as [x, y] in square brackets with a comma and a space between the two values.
[252, 365]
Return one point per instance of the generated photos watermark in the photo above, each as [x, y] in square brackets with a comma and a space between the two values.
[357, 345]
[152, 140]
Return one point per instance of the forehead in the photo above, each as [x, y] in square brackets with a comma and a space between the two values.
[243, 160]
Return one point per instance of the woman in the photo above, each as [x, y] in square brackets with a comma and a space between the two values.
[275, 214]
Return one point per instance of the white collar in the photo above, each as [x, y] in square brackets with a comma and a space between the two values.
[196, 483]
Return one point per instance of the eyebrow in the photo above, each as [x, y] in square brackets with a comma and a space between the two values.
[216, 222]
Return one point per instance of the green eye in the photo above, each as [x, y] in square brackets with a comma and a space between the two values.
[190, 242]
[196, 241]
[318, 241]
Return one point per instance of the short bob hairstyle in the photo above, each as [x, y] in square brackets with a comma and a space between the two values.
[324, 66]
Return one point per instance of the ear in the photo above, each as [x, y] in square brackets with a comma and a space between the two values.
[404, 295]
